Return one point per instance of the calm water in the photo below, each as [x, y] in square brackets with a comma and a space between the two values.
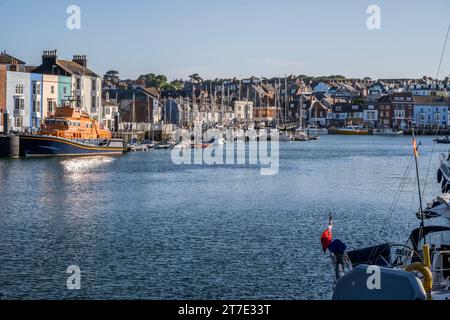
[140, 227]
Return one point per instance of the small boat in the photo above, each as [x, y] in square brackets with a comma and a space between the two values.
[163, 145]
[317, 131]
[445, 140]
[204, 145]
[137, 147]
[299, 137]
[387, 132]
[70, 132]
[352, 130]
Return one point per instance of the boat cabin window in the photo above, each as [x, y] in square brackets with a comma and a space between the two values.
[57, 122]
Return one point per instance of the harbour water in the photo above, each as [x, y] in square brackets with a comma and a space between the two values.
[140, 227]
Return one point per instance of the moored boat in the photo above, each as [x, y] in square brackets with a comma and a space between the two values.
[387, 132]
[445, 140]
[416, 270]
[317, 131]
[69, 132]
[352, 130]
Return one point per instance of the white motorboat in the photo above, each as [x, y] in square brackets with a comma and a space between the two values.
[387, 132]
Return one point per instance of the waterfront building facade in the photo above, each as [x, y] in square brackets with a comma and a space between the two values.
[37, 92]
[18, 102]
[2, 94]
[49, 94]
[85, 84]
[431, 112]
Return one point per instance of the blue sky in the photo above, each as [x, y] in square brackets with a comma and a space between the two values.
[234, 37]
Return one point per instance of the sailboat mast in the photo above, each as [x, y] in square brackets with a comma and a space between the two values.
[285, 101]
[422, 223]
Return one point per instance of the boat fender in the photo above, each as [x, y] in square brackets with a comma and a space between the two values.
[427, 276]
[439, 176]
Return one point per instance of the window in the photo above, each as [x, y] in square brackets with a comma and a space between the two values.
[65, 90]
[51, 105]
[94, 84]
[399, 114]
[78, 84]
[437, 117]
[18, 122]
[38, 88]
[19, 103]
[355, 107]
[52, 89]
[19, 89]
[34, 87]
[422, 117]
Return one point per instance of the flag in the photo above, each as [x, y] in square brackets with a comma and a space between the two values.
[327, 236]
[416, 150]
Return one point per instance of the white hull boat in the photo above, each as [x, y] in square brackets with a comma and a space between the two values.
[387, 132]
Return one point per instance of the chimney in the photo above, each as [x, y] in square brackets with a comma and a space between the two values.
[80, 59]
[49, 58]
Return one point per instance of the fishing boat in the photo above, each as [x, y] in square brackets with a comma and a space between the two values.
[352, 130]
[387, 132]
[416, 270]
[70, 132]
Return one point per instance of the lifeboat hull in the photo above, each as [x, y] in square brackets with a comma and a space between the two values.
[48, 146]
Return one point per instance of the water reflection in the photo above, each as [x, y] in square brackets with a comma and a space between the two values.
[76, 169]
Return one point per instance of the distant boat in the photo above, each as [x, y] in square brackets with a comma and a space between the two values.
[137, 147]
[352, 130]
[299, 136]
[317, 131]
[387, 132]
[445, 140]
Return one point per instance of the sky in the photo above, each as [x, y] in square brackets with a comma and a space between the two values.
[234, 38]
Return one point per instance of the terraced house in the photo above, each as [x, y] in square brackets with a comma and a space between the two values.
[431, 112]
[84, 87]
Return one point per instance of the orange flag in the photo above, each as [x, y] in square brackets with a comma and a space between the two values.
[416, 152]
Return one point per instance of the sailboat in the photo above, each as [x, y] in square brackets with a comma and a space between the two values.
[283, 136]
[417, 270]
[300, 134]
